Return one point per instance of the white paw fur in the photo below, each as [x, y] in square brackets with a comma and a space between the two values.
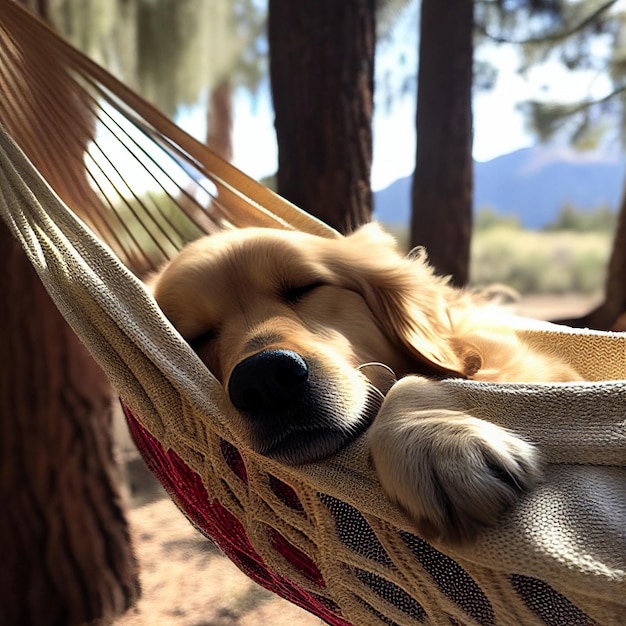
[453, 474]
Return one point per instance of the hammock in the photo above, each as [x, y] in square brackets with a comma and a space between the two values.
[322, 535]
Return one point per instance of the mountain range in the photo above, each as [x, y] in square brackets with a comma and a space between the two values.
[532, 184]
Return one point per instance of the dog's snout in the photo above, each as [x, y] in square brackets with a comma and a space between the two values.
[267, 381]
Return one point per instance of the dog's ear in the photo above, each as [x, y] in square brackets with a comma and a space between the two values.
[408, 300]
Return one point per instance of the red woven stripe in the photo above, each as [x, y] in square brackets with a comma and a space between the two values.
[213, 520]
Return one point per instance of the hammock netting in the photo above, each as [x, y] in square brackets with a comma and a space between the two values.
[101, 200]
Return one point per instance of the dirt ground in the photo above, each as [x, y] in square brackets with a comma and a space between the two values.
[185, 579]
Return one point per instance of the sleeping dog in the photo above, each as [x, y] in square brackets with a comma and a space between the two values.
[317, 340]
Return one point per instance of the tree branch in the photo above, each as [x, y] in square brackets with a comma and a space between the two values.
[549, 37]
[587, 104]
[547, 118]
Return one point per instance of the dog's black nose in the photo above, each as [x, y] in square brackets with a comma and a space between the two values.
[267, 381]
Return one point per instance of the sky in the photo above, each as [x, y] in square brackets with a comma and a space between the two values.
[499, 126]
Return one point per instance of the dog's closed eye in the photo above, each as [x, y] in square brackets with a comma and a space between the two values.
[202, 339]
[293, 294]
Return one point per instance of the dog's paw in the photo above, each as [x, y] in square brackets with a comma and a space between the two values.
[453, 474]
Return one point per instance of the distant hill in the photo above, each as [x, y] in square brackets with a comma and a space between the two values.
[533, 183]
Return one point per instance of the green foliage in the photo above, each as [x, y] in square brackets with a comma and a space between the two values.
[84, 24]
[487, 217]
[602, 219]
[516, 20]
[171, 51]
[564, 259]
[540, 262]
[582, 35]
[568, 255]
[569, 218]
[185, 47]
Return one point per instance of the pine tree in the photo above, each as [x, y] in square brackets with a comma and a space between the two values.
[322, 73]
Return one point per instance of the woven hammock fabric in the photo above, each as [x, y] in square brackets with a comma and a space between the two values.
[323, 535]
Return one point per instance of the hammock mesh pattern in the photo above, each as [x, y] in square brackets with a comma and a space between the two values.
[322, 535]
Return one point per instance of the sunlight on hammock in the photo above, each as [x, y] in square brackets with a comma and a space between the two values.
[146, 185]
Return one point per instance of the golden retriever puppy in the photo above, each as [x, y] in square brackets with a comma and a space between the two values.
[302, 331]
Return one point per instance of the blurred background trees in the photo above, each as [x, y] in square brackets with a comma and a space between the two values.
[213, 50]
[588, 34]
[322, 77]
[441, 218]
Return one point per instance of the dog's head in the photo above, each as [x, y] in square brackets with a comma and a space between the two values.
[286, 321]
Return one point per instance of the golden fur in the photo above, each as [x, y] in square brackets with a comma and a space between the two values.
[294, 325]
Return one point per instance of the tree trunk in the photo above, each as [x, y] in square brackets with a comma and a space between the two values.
[219, 136]
[63, 537]
[322, 75]
[65, 552]
[442, 184]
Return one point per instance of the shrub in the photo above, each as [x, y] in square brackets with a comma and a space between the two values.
[600, 219]
[540, 262]
[488, 217]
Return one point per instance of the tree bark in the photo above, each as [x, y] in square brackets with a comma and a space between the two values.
[63, 537]
[65, 552]
[219, 136]
[441, 218]
[322, 76]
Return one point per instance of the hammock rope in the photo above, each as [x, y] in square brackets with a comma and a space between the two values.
[44, 81]
[322, 535]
